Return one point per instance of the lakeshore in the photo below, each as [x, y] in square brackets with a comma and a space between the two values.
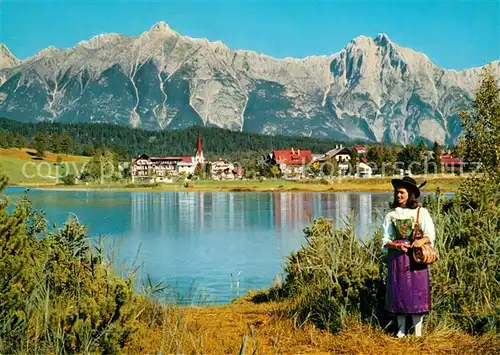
[445, 183]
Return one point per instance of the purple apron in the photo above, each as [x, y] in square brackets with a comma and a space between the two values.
[408, 283]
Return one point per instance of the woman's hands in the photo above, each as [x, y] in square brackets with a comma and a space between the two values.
[419, 242]
[399, 246]
[403, 247]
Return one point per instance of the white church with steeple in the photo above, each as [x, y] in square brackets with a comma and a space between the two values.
[198, 158]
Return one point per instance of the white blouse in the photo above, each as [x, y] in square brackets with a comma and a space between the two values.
[424, 220]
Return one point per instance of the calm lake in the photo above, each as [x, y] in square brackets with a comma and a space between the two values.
[207, 246]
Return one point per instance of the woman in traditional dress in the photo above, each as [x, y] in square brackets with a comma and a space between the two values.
[408, 288]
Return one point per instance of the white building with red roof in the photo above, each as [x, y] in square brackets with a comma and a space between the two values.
[186, 165]
[292, 162]
[162, 168]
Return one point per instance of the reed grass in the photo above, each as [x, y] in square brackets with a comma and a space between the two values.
[335, 278]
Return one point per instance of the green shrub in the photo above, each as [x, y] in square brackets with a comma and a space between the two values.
[57, 294]
[335, 277]
[465, 281]
[69, 179]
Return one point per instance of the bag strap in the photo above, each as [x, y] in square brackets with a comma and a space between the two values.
[415, 227]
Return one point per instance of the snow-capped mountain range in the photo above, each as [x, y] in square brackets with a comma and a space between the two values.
[372, 89]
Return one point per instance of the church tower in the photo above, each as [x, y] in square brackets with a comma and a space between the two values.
[199, 159]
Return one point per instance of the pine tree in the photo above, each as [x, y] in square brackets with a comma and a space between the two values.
[88, 150]
[65, 143]
[481, 127]
[102, 166]
[54, 143]
[354, 159]
[436, 158]
[389, 159]
[374, 155]
[40, 144]
[407, 156]
[20, 141]
[14, 266]
[481, 137]
[208, 170]
[3, 139]
[11, 140]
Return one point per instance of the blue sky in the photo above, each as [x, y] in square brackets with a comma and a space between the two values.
[454, 34]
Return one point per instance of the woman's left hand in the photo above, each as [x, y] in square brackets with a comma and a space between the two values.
[419, 242]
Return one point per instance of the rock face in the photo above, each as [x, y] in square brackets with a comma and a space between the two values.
[373, 89]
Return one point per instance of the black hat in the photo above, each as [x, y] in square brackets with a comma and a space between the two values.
[409, 184]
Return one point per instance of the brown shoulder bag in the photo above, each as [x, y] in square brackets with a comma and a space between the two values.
[426, 254]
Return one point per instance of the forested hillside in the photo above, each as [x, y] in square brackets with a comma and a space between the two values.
[84, 138]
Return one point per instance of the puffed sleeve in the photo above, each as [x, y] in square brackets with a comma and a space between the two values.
[387, 230]
[427, 225]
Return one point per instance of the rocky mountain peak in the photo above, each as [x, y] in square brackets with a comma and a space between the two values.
[100, 41]
[382, 39]
[161, 26]
[46, 51]
[360, 42]
[7, 59]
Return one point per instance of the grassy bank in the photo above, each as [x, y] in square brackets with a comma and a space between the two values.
[446, 183]
[23, 167]
[265, 328]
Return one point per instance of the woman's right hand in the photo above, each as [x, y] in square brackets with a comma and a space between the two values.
[400, 246]
[403, 247]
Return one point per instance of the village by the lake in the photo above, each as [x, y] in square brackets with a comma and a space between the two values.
[288, 164]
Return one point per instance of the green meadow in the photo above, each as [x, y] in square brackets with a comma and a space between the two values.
[23, 167]
[445, 183]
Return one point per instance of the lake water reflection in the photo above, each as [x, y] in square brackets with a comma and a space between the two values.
[195, 241]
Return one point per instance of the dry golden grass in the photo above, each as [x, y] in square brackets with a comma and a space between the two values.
[221, 329]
